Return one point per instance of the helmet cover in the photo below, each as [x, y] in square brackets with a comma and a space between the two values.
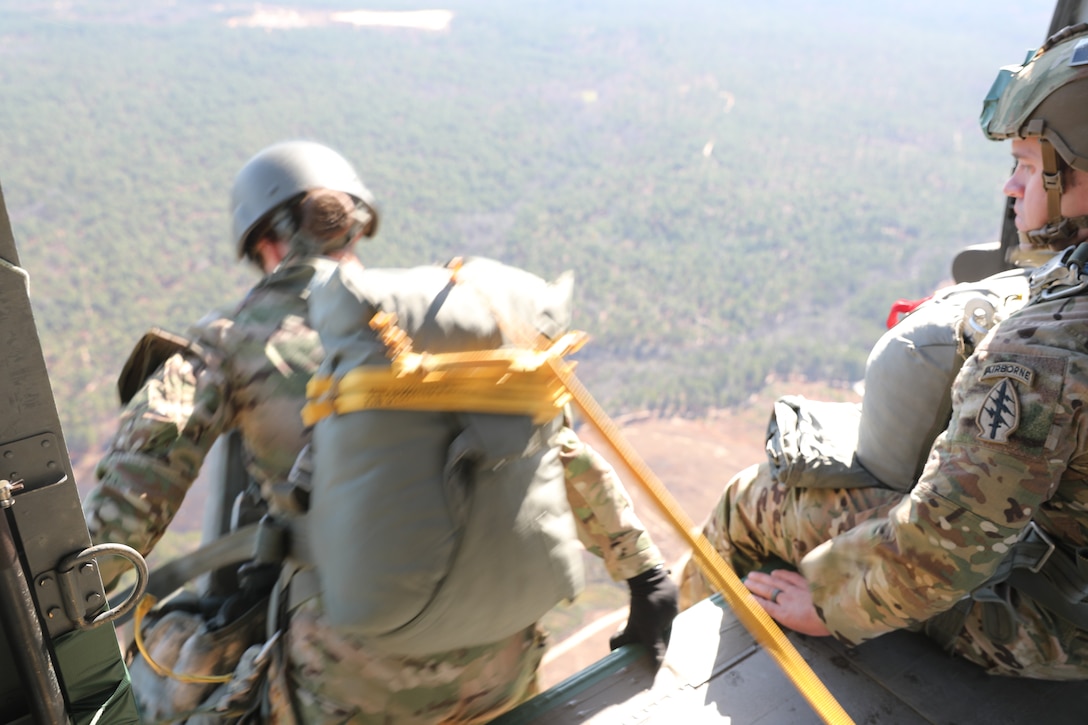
[285, 172]
[1045, 97]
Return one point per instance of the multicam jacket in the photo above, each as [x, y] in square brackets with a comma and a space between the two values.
[1015, 451]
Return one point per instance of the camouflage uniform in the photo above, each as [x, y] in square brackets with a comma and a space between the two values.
[1015, 451]
[250, 373]
[607, 523]
[760, 519]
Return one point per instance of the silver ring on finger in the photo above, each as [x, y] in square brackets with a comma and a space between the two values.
[774, 595]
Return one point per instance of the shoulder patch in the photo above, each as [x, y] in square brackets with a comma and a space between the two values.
[1009, 397]
[1000, 414]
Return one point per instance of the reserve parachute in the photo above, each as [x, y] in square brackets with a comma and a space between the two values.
[439, 516]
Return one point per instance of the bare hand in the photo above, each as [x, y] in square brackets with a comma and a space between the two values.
[784, 595]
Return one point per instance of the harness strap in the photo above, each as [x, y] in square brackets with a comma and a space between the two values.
[269, 541]
[1054, 575]
[233, 548]
[1032, 552]
[266, 542]
[1060, 584]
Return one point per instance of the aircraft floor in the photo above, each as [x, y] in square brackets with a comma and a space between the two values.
[899, 679]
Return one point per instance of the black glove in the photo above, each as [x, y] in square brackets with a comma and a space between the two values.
[653, 607]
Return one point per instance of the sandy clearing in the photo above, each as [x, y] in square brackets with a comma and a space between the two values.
[433, 20]
[278, 18]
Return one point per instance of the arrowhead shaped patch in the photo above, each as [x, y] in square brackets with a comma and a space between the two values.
[1000, 414]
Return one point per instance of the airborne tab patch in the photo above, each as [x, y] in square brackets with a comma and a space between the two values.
[1000, 414]
[1008, 370]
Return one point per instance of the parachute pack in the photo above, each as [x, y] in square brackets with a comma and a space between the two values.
[438, 515]
[908, 384]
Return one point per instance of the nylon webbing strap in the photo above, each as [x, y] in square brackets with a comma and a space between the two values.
[267, 541]
[232, 548]
[1052, 181]
[507, 381]
[1054, 575]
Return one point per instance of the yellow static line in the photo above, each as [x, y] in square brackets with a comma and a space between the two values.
[760, 624]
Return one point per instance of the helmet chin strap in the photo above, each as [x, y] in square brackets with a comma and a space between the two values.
[1058, 232]
[1052, 177]
[1055, 236]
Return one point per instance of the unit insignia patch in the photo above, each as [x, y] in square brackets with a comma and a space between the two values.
[1000, 414]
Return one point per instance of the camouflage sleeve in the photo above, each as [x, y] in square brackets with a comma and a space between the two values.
[1015, 428]
[605, 518]
[165, 432]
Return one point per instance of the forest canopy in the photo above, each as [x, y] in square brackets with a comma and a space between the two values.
[742, 189]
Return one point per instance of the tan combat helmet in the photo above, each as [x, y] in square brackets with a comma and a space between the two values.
[281, 175]
[1046, 97]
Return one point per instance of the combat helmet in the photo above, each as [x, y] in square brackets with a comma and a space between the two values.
[1046, 97]
[282, 174]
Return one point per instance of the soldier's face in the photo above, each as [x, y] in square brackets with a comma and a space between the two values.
[1026, 187]
[1026, 184]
